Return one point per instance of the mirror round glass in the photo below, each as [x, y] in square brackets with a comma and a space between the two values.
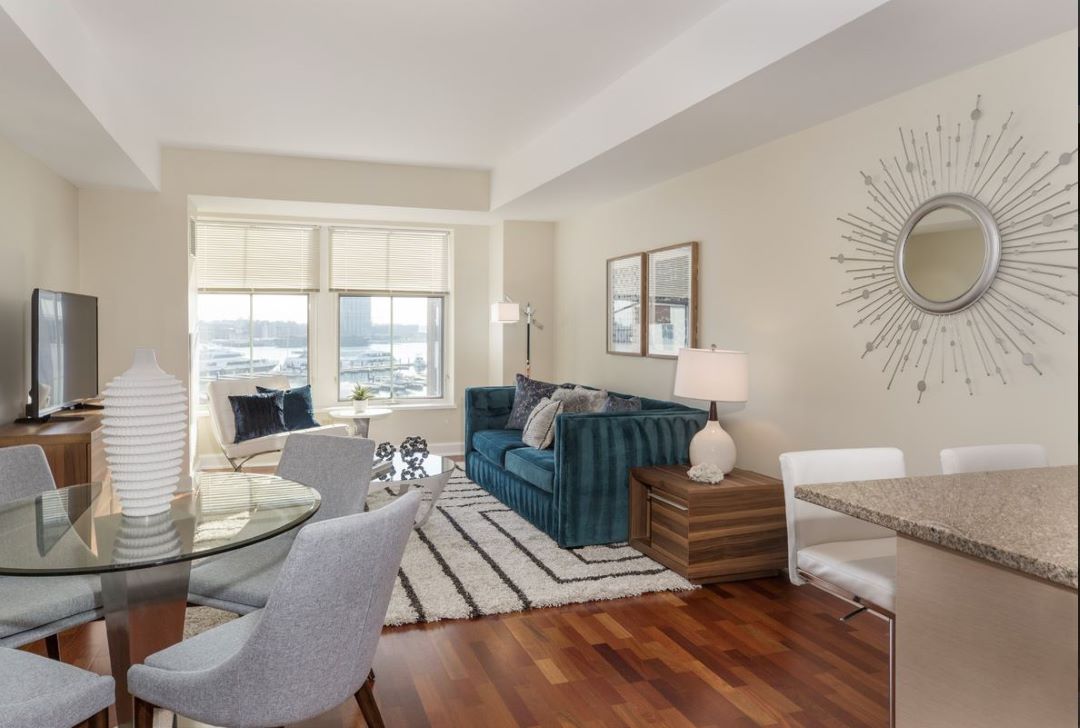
[944, 254]
[948, 253]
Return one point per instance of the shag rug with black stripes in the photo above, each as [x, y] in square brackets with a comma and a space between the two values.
[475, 556]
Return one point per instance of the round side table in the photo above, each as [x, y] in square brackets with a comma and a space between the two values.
[361, 420]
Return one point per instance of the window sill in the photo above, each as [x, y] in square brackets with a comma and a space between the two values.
[397, 406]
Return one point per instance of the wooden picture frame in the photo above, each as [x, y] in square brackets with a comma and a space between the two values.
[671, 300]
[626, 289]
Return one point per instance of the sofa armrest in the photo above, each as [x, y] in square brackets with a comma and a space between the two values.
[486, 408]
[593, 456]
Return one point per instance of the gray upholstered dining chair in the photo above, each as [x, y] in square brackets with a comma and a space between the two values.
[40, 693]
[339, 468]
[39, 607]
[308, 650]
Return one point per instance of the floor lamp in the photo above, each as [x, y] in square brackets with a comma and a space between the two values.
[508, 312]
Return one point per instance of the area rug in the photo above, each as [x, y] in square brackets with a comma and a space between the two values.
[475, 556]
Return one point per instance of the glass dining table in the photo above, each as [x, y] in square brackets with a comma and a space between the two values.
[144, 562]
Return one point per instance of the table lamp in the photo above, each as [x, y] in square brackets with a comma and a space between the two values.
[714, 375]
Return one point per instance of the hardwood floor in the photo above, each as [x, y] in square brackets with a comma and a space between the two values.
[752, 653]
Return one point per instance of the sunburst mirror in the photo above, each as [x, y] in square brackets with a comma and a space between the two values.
[967, 240]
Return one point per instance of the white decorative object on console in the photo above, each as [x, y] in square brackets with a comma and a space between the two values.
[715, 375]
[145, 428]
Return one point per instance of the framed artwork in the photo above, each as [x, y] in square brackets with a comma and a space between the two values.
[671, 299]
[626, 305]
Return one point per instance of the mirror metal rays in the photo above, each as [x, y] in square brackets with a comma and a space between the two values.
[966, 238]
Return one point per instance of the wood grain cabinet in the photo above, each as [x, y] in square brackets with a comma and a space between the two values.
[75, 448]
[732, 530]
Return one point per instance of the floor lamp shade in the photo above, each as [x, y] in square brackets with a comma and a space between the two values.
[505, 313]
[714, 375]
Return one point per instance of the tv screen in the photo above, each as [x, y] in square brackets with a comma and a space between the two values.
[63, 351]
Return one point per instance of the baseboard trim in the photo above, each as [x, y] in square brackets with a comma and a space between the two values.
[218, 461]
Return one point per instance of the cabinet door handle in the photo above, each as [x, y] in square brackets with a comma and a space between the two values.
[668, 502]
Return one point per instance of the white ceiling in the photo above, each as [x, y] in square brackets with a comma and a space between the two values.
[444, 82]
[567, 102]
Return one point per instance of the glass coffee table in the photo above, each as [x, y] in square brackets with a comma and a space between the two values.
[428, 472]
[145, 561]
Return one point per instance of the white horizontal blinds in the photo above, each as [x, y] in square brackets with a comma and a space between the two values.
[256, 257]
[389, 260]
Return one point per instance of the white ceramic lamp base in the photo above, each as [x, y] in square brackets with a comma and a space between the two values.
[713, 446]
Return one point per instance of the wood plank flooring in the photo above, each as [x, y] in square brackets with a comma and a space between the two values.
[751, 653]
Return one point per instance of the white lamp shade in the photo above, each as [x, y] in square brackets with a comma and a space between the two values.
[505, 313]
[715, 375]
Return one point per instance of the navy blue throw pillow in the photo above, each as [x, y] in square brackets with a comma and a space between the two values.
[527, 395]
[299, 410]
[258, 415]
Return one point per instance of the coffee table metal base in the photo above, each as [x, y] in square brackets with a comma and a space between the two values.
[144, 613]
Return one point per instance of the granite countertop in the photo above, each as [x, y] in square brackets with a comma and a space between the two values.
[1023, 519]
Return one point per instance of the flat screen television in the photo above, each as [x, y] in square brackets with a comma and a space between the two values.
[63, 352]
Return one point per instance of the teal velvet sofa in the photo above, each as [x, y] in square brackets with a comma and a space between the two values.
[576, 492]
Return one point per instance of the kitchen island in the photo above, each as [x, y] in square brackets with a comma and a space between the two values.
[986, 593]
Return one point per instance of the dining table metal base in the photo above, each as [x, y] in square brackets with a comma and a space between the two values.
[144, 613]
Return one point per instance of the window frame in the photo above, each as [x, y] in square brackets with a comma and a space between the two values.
[309, 295]
[443, 347]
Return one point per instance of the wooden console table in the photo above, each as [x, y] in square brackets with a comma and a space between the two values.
[732, 530]
[75, 448]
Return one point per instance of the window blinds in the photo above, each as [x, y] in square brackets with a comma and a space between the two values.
[390, 260]
[256, 257]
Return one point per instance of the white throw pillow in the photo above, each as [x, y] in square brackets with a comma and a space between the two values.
[539, 429]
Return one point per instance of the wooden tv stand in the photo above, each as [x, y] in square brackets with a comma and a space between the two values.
[74, 447]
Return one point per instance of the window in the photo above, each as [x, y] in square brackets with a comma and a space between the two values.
[393, 345]
[392, 285]
[254, 282]
[381, 296]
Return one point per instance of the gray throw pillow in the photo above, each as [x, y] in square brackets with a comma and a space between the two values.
[622, 404]
[527, 393]
[539, 429]
[580, 399]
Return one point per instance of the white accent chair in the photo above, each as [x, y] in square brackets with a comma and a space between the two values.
[223, 423]
[851, 558]
[984, 458]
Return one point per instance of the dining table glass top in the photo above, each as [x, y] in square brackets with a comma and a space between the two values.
[80, 529]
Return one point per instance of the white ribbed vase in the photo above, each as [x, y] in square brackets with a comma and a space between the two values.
[145, 429]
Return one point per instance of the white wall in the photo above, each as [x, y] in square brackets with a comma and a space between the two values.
[38, 249]
[766, 220]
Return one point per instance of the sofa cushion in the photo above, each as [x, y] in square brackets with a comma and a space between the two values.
[539, 429]
[527, 394]
[258, 415]
[494, 444]
[533, 466]
[580, 399]
[299, 409]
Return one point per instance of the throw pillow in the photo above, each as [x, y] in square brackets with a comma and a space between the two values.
[621, 404]
[299, 409]
[539, 429]
[258, 415]
[527, 394]
[581, 399]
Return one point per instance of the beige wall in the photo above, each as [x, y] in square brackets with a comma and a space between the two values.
[523, 258]
[38, 249]
[133, 245]
[766, 220]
